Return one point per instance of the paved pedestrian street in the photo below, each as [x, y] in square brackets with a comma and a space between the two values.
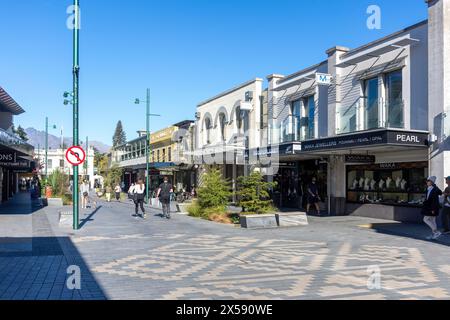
[121, 257]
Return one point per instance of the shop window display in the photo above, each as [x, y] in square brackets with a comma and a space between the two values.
[392, 184]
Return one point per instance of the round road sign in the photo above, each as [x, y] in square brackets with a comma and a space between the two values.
[75, 155]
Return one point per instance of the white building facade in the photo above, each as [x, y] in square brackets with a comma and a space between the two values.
[227, 125]
[370, 124]
[56, 160]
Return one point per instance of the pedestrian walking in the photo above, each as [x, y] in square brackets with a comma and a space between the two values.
[139, 195]
[108, 191]
[84, 190]
[313, 196]
[446, 208]
[431, 207]
[164, 192]
[117, 191]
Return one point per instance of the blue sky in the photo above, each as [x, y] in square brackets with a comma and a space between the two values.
[184, 50]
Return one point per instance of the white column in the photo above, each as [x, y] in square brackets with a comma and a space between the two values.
[439, 84]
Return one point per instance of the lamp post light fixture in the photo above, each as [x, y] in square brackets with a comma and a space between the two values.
[147, 142]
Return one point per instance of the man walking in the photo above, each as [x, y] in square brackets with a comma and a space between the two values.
[446, 209]
[164, 191]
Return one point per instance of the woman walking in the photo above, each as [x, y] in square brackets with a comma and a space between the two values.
[431, 207]
[117, 191]
[139, 195]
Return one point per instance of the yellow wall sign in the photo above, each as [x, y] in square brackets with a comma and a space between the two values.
[163, 135]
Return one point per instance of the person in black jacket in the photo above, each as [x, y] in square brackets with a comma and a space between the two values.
[431, 207]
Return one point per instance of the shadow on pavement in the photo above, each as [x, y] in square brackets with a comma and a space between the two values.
[89, 218]
[20, 204]
[409, 230]
[36, 268]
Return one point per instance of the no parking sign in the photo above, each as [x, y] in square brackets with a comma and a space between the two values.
[75, 156]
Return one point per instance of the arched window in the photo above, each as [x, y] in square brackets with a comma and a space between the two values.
[208, 130]
[222, 125]
[239, 119]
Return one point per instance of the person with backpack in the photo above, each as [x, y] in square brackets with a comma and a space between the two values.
[164, 192]
[139, 195]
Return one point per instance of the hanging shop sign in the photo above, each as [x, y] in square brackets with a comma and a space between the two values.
[359, 158]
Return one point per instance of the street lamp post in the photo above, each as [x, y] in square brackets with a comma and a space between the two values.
[147, 143]
[75, 102]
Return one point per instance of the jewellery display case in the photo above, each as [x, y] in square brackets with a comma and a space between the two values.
[401, 184]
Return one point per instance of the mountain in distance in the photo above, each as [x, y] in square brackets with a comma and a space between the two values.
[37, 139]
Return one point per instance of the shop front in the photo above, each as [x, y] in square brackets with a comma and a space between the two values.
[379, 174]
[293, 174]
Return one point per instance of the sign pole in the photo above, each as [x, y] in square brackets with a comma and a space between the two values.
[76, 74]
[46, 147]
[147, 152]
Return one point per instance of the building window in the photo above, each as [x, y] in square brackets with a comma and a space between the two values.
[61, 163]
[169, 154]
[153, 156]
[239, 119]
[157, 156]
[49, 164]
[309, 105]
[371, 98]
[223, 123]
[394, 99]
[296, 119]
[208, 130]
[163, 155]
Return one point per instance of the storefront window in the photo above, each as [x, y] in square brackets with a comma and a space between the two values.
[371, 103]
[394, 100]
[392, 183]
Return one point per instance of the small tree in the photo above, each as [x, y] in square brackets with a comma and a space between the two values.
[114, 176]
[119, 137]
[59, 181]
[215, 192]
[254, 194]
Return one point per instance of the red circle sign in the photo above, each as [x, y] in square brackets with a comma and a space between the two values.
[75, 155]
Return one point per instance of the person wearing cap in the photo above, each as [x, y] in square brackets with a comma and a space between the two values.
[446, 208]
[431, 207]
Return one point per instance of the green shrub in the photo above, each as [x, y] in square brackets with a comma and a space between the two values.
[194, 210]
[215, 192]
[254, 197]
[59, 182]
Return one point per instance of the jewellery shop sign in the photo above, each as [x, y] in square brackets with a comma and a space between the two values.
[367, 139]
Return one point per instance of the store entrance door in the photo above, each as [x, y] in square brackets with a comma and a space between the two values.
[293, 180]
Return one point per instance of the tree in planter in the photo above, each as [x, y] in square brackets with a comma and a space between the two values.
[254, 194]
[215, 192]
[59, 182]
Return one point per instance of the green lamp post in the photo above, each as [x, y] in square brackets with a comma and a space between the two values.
[147, 142]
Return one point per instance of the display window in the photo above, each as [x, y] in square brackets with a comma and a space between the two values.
[389, 183]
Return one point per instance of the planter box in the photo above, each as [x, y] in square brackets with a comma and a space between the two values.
[292, 219]
[258, 221]
[182, 207]
[66, 218]
[55, 202]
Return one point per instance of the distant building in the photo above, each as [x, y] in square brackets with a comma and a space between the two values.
[169, 155]
[57, 161]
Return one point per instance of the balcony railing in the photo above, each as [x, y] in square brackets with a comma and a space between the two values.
[15, 143]
[368, 114]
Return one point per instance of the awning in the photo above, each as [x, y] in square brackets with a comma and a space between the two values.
[8, 104]
[375, 52]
